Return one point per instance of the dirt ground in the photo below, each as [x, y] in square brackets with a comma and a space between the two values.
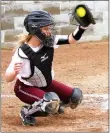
[84, 65]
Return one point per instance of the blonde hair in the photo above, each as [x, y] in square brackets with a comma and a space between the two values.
[21, 39]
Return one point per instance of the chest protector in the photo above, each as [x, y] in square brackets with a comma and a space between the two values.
[40, 64]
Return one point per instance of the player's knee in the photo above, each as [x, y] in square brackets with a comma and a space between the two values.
[51, 102]
[76, 98]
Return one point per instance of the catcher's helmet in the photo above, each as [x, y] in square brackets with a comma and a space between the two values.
[37, 19]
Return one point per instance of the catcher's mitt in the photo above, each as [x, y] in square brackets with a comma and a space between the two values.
[86, 19]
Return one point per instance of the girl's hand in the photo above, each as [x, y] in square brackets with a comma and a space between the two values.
[17, 67]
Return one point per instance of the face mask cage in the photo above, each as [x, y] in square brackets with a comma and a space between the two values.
[49, 40]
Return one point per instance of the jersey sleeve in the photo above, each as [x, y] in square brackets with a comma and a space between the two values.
[60, 40]
[15, 58]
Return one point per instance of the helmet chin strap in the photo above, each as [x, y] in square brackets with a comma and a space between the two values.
[38, 38]
[41, 36]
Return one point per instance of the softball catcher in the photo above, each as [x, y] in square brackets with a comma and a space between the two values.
[31, 64]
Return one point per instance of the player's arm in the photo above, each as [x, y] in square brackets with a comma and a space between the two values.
[84, 22]
[73, 37]
[10, 76]
[12, 71]
[13, 68]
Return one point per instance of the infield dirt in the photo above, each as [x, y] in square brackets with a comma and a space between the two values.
[84, 65]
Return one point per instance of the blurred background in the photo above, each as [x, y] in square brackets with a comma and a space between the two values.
[14, 12]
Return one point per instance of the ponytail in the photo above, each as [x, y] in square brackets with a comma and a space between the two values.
[21, 39]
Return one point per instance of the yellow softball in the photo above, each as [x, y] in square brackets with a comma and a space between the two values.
[81, 12]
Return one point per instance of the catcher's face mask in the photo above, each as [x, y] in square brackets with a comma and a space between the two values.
[48, 30]
[49, 33]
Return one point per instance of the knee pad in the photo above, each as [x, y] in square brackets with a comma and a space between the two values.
[76, 98]
[50, 103]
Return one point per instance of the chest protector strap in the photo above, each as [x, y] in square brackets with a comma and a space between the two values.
[28, 51]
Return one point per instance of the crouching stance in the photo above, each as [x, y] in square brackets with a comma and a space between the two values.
[32, 66]
[42, 102]
[49, 104]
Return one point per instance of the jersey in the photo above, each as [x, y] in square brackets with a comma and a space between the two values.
[40, 76]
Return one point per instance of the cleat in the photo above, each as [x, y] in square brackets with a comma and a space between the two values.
[27, 121]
